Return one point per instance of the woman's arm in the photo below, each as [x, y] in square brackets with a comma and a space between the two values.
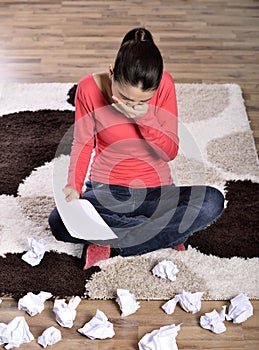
[158, 123]
[83, 142]
[159, 129]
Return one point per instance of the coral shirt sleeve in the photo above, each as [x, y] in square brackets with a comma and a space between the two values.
[83, 142]
[159, 127]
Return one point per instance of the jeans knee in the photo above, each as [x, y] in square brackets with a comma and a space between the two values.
[54, 223]
[52, 218]
[214, 202]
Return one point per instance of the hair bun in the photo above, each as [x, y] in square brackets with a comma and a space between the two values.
[138, 35]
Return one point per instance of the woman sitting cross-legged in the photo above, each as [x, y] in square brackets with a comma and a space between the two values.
[128, 116]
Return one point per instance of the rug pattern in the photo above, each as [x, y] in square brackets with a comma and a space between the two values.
[30, 133]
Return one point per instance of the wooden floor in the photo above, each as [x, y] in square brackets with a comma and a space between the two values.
[211, 41]
[129, 330]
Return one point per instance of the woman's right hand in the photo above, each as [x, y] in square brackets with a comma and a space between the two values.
[130, 110]
[71, 193]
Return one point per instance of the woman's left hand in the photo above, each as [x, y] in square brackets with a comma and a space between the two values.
[130, 110]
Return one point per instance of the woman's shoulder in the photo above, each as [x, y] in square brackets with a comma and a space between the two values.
[165, 96]
[167, 78]
[86, 80]
[84, 85]
[92, 88]
[93, 82]
[87, 87]
[166, 85]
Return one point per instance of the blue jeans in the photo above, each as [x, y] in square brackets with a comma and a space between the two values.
[147, 219]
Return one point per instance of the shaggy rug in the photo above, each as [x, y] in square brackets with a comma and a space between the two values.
[217, 148]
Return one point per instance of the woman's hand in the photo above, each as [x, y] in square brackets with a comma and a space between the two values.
[130, 110]
[71, 193]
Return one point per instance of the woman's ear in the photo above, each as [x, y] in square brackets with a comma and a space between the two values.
[111, 66]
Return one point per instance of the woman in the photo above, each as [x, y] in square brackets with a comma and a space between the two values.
[129, 117]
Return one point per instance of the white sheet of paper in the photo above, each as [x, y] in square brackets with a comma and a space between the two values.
[240, 308]
[98, 327]
[33, 304]
[166, 269]
[79, 216]
[15, 333]
[50, 336]
[66, 312]
[163, 338]
[214, 321]
[127, 302]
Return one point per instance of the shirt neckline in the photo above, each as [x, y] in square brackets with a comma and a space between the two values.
[99, 90]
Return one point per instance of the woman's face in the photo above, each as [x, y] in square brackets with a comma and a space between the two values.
[130, 95]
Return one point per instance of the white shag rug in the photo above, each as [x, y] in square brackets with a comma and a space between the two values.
[212, 117]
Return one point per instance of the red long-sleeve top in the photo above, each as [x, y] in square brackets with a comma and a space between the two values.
[127, 152]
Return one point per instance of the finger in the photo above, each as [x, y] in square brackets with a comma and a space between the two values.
[116, 99]
[138, 107]
[71, 196]
[68, 198]
[65, 190]
[68, 193]
[141, 107]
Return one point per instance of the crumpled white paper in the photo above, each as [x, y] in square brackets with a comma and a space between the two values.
[170, 305]
[50, 336]
[163, 338]
[66, 312]
[214, 321]
[166, 269]
[240, 308]
[33, 304]
[127, 302]
[190, 302]
[36, 251]
[15, 333]
[98, 327]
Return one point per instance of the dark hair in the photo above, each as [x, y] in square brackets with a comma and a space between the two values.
[139, 61]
